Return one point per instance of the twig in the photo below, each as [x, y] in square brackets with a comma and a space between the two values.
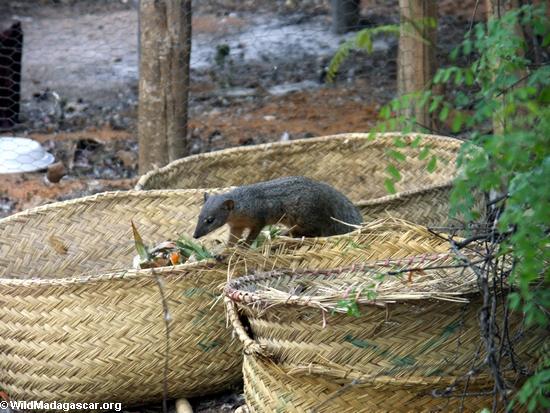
[473, 18]
[497, 199]
[434, 267]
[468, 377]
[437, 131]
[166, 316]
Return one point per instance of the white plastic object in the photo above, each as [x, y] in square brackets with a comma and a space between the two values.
[22, 155]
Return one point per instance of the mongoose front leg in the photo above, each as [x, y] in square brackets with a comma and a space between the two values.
[235, 234]
[254, 232]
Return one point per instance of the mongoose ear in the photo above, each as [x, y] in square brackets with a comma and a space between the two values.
[206, 196]
[229, 204]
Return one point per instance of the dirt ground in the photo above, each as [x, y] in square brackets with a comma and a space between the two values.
[79, 89]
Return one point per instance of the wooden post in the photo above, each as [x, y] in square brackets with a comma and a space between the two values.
[416, 59]
[345, 15]
[165, 50]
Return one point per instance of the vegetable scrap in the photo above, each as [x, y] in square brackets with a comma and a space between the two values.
[183, 250]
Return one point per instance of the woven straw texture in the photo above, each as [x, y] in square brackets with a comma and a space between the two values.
[352, 163]
[418, 332]
[271, 388]
[75, 327]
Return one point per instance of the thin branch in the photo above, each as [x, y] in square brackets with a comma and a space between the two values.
[166, 317]
[473, 18]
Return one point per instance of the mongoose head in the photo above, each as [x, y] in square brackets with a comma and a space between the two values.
[214, 214]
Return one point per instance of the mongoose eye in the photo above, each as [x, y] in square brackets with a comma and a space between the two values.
[209, 220]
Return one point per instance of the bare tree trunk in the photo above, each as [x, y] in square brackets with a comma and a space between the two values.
[345, 15]
[416, 60]
[165, 50]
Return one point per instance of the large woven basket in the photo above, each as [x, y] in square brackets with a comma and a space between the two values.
[76, 325]
[418, 337]
[352, 163]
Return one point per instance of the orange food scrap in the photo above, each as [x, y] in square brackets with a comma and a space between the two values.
[175, 257]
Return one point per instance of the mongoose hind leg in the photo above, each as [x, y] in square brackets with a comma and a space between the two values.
[254, 232]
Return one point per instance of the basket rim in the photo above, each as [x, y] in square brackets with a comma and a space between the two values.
[404, 194]
[337, 372]
[237, 295]
[89, 199]
[151, 193]
[441, 140]
[129, 273]
[132, 273]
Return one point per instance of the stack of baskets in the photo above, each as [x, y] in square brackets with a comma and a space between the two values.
[391, 335]
[77, 325]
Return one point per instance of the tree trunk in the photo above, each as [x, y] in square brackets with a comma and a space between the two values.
[345, 15]
[165, 50]
[416, 59]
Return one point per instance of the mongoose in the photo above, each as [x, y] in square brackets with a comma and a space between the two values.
[305, 206]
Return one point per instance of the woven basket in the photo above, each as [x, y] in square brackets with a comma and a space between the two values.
[75, 327]
[352, 163]
[268, 387]
[417, 336]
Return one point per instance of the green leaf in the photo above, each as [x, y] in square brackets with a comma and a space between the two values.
[457, 122]
[544, 96]
[189, 247]
[532, 405]
[364, 40]
[459, 76]
[434, 105]
[432, 164]
[140, 246]
[416, 142]
[454, 53]
[447, 74]
[467, 47]
[469, 77]
[444, 113]
[424, 153]
[390, 187]
[399, 142]
[394, 172]
[515, 300]
[385, 112]
[398, 156]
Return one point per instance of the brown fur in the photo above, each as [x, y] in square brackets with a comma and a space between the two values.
[303, 205]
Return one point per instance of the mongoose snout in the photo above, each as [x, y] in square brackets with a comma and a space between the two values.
[308, 208]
